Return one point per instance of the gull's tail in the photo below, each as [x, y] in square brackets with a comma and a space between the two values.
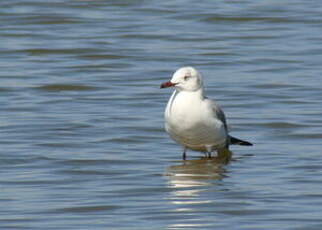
[236, 141]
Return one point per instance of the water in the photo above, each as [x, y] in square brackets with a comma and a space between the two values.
[81, 119]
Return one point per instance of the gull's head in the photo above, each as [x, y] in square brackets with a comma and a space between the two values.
[185, 79]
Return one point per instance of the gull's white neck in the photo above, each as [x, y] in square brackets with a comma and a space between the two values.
[197, 94]
[182, 100]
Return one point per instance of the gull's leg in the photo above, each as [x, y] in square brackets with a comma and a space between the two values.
[184, 153]
[209, 150]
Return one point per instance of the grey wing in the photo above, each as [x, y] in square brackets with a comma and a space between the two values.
[219, 113]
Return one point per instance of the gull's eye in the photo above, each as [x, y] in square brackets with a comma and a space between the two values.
[186, 78]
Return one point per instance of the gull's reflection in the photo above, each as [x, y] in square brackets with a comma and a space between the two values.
[190, 182]
[191, 176]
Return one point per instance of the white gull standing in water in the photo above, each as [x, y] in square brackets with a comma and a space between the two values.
[192, 120]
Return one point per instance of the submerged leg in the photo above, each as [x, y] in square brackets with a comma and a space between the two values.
[224, 155]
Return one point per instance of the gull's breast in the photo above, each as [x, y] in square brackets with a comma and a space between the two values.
[197, 135]
[192, 125]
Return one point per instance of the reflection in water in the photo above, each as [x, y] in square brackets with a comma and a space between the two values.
[192, 173]
[188, 181]
[189, 177]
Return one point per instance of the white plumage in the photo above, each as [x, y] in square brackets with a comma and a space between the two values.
[191, 120]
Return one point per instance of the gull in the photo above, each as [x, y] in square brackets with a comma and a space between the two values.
[194, 121]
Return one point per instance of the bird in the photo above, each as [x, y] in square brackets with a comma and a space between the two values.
[194, 121]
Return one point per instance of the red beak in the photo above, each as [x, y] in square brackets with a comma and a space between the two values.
[167, 84]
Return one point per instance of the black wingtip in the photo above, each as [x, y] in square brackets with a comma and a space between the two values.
[236, 141]
[245, 143]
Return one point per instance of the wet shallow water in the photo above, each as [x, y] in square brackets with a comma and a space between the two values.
[81, 119]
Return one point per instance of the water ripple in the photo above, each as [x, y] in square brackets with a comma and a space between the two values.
[82, 134]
